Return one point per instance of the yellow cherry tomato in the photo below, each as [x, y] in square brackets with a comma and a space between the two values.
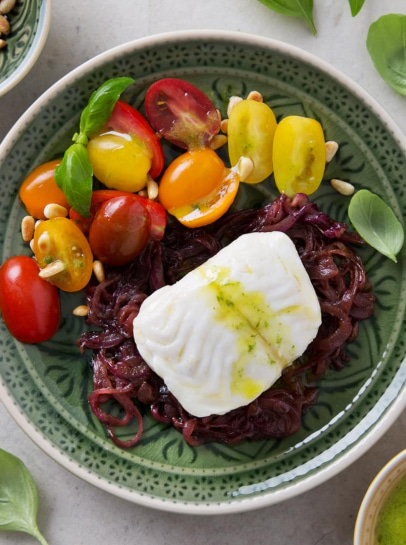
[197, 188]
[251, 129]
[40, 189]
[61, 246]
[120, 161]
[299, 155]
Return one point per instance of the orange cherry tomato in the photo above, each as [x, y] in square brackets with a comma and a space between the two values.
[40, 189]
[197, 188]
[60, 242]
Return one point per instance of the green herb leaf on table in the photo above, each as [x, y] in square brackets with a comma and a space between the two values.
[375, 221]
[386, 43]
[101, 104]
[295, 8]
[356, 6]
[18, 497]
[74, 176]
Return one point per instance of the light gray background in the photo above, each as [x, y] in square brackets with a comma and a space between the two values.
[75, 513]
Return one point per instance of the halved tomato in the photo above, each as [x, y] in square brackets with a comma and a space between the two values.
[181, 113]
[197, 188]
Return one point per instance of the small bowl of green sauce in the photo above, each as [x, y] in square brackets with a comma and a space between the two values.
[382, 516]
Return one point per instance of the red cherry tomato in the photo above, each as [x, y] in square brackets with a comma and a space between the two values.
[156, 211]
[29, 305]
[120, 230]
[126, 119]
[181, 113]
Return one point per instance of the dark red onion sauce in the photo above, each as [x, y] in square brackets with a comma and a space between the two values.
[120, 373]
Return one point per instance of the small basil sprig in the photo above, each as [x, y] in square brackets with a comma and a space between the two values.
[296, 8]
[386, 43]
[74, 175]
[376, 223]
[18, 497]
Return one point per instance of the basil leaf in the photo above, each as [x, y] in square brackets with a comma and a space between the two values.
[18, 497]
[356, 6]
[386, 43]
[74, 176]
[101, 104]
[376, 223]
[296, 8]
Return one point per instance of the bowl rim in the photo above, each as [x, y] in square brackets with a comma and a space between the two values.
[34, 52]
[340, 463]
[373, 489]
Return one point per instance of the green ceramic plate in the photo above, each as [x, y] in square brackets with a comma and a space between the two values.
[30, 21]
[45, 387]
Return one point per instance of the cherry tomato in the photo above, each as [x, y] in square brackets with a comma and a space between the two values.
[60, 242]
[299, 155]
[120, 230]
[155, 210]
[251, 129]
[181, 113]
[197, 188]
[40, 189]
[120, 161]
[29, 305]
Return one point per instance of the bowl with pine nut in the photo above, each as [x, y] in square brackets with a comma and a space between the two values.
[24, 27]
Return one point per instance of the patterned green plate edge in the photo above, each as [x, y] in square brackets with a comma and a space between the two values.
[358, 440]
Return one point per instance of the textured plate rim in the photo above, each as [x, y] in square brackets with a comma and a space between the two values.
[354, 452]
[35, 51]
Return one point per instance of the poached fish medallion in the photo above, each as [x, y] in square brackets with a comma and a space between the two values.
[222, 335]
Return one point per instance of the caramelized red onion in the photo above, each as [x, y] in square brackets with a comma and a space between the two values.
[122, 376]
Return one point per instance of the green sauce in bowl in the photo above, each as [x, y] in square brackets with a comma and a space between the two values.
[391, 524]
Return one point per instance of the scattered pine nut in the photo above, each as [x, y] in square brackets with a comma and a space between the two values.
[224, 126]
[4, 26]
[143, 193]
[231, 103]
[38, 222]
[27, 228]
[81, 310]
[3, 43]
[244, 167]
[52, 269]
[6, 6]
[98, 270]
[32, 245]
[255, 95]
[217, 141]
[44, 243]
[344, 188]
[331, 150]
[54, 210]
[152, 189]
[218, 114]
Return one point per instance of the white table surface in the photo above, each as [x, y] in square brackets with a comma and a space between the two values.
[73, 512]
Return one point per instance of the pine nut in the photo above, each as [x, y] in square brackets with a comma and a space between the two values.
[6, 6]
[3, 43]
[81, 310]
[255, 95]
[218, 114]
[224, 126]
[32, 245]
[38, 222]
[27, 228]
[244, 167]
[143, 193]
[152, 189]
[4, 26]
[98, 270]
[52, 269]
[44, 243]
[217, 141]
[331, 150]
[344, 188]
[231, 103]
[54, 210]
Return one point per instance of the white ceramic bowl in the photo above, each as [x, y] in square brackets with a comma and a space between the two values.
[378, 491]
[30, 21]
